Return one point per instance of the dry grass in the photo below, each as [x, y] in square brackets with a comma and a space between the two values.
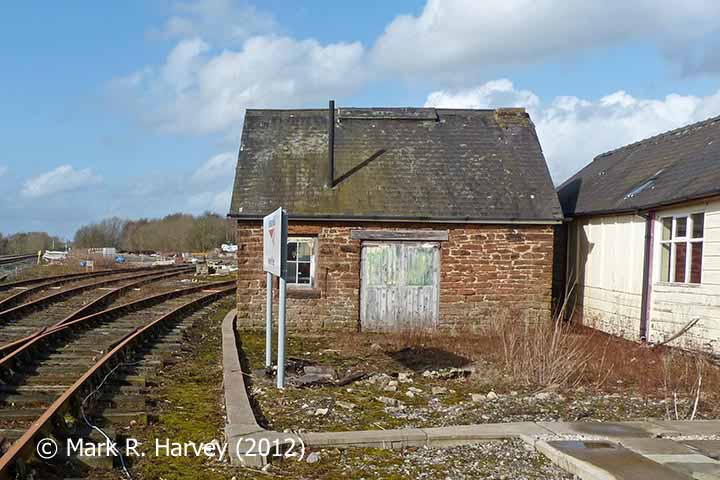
[543, 353]
[554, 354]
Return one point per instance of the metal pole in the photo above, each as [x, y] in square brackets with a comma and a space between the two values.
[268, 322]
[281, 336]
[281, 302]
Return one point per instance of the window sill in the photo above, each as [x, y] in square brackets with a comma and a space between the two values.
[678, 284]
[303, 292]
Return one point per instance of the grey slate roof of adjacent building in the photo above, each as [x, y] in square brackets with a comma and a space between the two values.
[394, 163]
[673, 167]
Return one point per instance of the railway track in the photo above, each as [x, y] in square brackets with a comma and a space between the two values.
[45, 383]
[65, 305]
[9, 259]
[44, 294]
[23, 289]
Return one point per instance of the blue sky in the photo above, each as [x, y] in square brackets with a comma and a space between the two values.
[135, 108]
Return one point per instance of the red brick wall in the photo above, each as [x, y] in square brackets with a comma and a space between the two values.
[484, 269]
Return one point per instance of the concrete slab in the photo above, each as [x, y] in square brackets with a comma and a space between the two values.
[237, 403]
[655, 446]
[698, 470]
[240, 418]
[611, 430]
[465, 434]
[685, 458]
[605, 461]
[709, 448]
[409, 437]
[686, 427]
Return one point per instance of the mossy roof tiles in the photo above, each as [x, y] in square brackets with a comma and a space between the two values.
[673, 167]
[403, 163]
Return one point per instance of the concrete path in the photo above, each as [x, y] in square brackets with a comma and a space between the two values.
[631, 459]
[650, 449]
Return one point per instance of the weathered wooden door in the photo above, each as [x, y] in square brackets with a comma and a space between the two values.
[399, 287]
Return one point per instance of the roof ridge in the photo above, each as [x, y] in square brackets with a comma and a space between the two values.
[658, 136]
[503, 110]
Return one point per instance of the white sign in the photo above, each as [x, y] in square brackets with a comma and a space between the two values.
[228, 248]
[273, 242]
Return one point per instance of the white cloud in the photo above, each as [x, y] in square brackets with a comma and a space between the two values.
[451, 36]
[216, 202]
[198, 90]
[221, 20]
[230, 56]
[3, 170]
[62, 179]
[218, 167]
[573, 131]
[494, 93]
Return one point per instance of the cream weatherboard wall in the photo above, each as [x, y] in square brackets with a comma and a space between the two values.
[607, 253]
[609, 262]
[674, 305]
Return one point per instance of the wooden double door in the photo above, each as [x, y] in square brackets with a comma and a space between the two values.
[399, 285]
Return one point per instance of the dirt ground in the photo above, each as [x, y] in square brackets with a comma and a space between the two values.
[446, 381]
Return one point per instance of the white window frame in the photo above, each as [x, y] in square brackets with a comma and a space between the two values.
[674, 241]
[313, 261]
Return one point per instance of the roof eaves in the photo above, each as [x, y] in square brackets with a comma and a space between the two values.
[650, 206]
[384, 218]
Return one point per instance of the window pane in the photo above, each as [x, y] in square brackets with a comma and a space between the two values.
[303, 272]
[304, 251]
[680, 252]
[291, 272]
[292, 251]
[666, 228]
[696, 262]
[681, 227]
[665, 262]
[698, 225]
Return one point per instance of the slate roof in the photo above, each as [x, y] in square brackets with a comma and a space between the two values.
[394, 163]
[673, 167]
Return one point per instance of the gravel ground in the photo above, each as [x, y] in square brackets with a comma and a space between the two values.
[507, 460]
[427, 386]
[383, 401]
[395, 393]
[680, 438]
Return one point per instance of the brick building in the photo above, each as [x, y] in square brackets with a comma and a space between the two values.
[398, 217]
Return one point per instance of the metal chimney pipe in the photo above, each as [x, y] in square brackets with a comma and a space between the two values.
[331, 144]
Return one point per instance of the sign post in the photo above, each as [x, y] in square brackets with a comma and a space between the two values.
[268, 321]
[274, 261]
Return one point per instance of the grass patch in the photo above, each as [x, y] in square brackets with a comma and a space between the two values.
[189, 407]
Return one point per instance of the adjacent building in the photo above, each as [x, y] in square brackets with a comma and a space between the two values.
[398, 217]
[643, 243]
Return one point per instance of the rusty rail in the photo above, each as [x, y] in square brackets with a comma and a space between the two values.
[54, 280]
[11, 360]
[93, 307]
[16, 258]
[9, 307]
[12, 463]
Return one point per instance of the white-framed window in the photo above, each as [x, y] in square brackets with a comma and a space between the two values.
[301, 261]
[681, 247]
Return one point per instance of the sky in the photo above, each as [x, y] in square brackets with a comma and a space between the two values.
[135, 108]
